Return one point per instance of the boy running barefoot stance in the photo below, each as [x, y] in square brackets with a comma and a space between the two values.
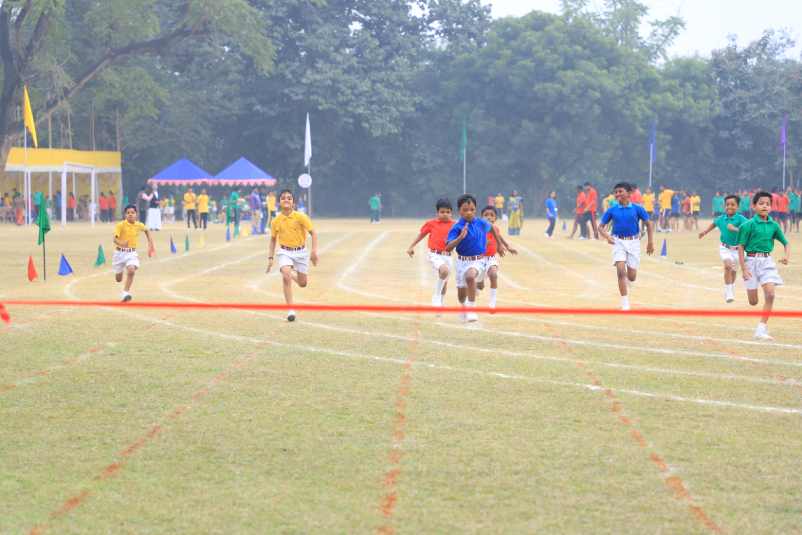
[625, 239]
[728, 224]
[437, 230]
[125, 256]
[755, 243]
[469, 237]
[491, 260]
[289, 228]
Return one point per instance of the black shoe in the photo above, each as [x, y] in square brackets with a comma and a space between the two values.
[291, 316]
[127, 298]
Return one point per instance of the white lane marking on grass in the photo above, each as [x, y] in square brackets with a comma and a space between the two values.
[352, 267]
[658, 333]
[429, 365]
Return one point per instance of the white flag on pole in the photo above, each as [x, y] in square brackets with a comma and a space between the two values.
[307, 144]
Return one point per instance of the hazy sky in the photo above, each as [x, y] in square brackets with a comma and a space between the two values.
[708, 22]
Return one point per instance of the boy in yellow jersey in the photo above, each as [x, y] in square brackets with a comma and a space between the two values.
[665, 197]
[125, 257]
[203, 208]
[289, 228]
[696, 207]
[189, 207]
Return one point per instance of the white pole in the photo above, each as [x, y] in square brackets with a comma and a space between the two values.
[50, 189]
[75, 196]
[309, 194]
[784, 150]
[651, 163]
[63, 197]
[92, 197]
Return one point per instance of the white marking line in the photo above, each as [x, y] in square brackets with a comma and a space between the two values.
[561, 268]
[349, 270]
[352, 268]
[672, 352]
[500, 375]
[594, 327]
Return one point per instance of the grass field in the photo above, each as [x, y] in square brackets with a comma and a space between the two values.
[174, 421]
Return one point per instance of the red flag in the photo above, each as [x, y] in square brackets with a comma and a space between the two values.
[32, 275]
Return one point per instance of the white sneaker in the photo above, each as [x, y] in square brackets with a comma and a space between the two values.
[290, 315]
[471, 317]
[463, 316]
[764, 336]
[437, 300]
[125, 297]
[729, 296]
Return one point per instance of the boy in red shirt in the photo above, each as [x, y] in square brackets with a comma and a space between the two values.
[437, 230]
[103, 204]
[491, 260]
[579, 220]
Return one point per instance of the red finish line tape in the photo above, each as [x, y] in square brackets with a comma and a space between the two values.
[406, 309]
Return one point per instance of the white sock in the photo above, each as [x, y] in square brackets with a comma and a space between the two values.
[762, 327]
[625, 300]
[471, 304]
[493, 296]
[439, 286]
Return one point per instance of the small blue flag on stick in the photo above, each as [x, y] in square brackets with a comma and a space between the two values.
[172, 246]
[565, 227]
[64, 267]
[664, 250]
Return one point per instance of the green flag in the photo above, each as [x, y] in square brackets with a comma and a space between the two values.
[42, 220]
[101, 256]
[186, 243]
[463, 142]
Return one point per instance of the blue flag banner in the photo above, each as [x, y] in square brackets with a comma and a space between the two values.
[64, 267]
[172, 246]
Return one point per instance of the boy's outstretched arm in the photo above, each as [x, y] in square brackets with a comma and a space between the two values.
[650, 238]
[411, 249]
[500, 239]
[707, 230]
[151, 247]
[785, 260]
[313, 254]
[271, 250]
[742, 261]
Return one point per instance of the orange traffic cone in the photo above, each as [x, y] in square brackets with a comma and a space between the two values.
[32, 275]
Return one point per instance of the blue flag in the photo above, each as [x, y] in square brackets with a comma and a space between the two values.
[64, 267]
[172, 246]
[228, 233]
[664, 250]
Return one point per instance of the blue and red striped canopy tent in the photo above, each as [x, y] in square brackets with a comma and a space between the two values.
[181, 173]
[243, 173]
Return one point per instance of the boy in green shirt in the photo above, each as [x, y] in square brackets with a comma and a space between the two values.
[756, 241]
[718, 204]
[795, 208]
[728, 224]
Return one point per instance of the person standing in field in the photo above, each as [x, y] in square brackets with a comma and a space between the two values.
[190, 207]
[103, 207]
[515, 221]
[551, 213]
[728, 224]
[755, 244]
[125, 259]
[271, 205]
[112, 206]
[579, 218]
[289, 230]
[437, 229]
[154, 219]
[648, 205]
[717, 205]
[794, 208]
[375, 205]
[625, 238]
[255, 203]
[664, 202]
[498, 204]
[203, 208]
[592, 204]
[469, 237]
[696, 208]
[745, 207]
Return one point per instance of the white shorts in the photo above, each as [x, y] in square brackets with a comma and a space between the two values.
[123, 259]
[490, 261]
[298, 260]
[728, 256]
[437, 260]
[763, 270]
[464, 265]
[627, 251]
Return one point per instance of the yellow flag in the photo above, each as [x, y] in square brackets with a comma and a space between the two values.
[27, 115]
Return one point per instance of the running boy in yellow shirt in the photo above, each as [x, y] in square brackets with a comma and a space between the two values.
[289, 229]
[125, 256]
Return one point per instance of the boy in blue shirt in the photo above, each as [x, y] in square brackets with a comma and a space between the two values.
[551, 213]
[625, 238]
[728, 224]
[469, 237]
